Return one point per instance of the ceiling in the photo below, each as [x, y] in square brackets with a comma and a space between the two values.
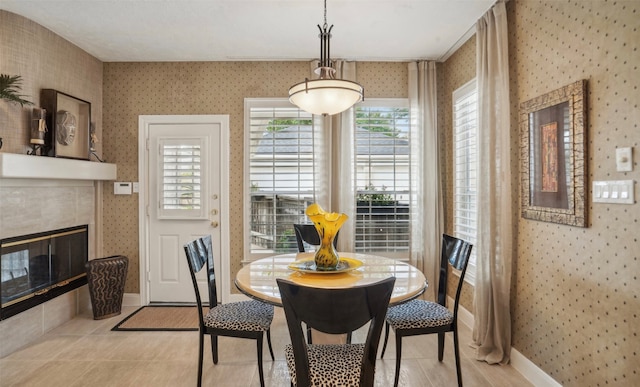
[248, 30]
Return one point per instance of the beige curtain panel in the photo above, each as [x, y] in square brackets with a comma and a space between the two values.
[494, 250]
[427, 217]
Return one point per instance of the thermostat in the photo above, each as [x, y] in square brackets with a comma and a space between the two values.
[122, 188]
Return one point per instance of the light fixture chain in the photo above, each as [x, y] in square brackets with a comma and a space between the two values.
[325, 14]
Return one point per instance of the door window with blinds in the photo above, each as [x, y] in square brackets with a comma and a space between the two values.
[382, 177]
[465, 130]
[279, 173]
[182, 190]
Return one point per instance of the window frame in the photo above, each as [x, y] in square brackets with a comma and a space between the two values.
[387, 103]
[250, 103]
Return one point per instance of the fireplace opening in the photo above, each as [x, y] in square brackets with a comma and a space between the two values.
[38, 267]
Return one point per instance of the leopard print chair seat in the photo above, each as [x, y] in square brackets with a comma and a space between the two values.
[334, 311]
[417, 314]
[333, 365]
[251, 316]
[246, 319]
[419, 317]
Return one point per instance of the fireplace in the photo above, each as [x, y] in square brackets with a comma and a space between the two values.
[39, 194]
[38, 267]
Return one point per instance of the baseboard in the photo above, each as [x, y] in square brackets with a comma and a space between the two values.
[131, 299]
[518, 361]
[464, 316]
[530, 371]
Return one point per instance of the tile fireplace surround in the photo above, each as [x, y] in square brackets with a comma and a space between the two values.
[39, 194]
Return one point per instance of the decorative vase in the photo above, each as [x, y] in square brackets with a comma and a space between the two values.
[327, 224]
[105, 279]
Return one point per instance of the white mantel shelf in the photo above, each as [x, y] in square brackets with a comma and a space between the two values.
[17, 166]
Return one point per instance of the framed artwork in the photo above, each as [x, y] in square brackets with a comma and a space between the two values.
[552, 152]
[68, 122]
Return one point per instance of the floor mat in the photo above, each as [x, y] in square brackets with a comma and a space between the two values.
[160, 318]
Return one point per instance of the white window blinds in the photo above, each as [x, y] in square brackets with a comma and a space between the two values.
[383, 178]
[465, 123]
[284, 149]
[281, 166]
[181, 184]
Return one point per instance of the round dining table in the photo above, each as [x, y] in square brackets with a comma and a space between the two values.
[258, 278]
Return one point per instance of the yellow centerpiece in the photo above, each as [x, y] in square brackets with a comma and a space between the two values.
[327, 224]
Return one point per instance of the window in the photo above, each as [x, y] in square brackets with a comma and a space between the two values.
[181, 189]
[279, 176]
[280, 147]
[465, 128]
[382, 178]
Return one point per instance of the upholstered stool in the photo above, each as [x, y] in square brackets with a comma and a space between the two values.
[106, 278]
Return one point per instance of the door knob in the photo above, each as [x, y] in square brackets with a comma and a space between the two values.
[214, 224]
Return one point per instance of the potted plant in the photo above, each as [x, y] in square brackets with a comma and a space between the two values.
[10, 87]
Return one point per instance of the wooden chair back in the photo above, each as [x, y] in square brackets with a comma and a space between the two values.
[335, 311]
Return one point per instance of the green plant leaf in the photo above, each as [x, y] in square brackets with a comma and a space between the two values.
[10, 87]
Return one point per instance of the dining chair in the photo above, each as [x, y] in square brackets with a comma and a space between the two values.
[334, 311]
[420, 317]
[244, 319]
[307, 233]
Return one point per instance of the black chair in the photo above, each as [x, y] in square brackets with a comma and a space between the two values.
[307, 233]
[334, 311]
[420, 317]
[246, 319]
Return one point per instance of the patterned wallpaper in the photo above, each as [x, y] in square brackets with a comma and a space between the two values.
[575, 308]
[575, 290]
[133, 89]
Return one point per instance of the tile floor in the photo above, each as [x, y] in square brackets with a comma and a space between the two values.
[85, 352]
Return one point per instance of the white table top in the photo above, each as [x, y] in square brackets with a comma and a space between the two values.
[258, 279]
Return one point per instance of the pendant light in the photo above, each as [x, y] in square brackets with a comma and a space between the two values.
[325, 95]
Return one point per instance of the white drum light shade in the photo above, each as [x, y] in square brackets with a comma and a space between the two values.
[325, 96]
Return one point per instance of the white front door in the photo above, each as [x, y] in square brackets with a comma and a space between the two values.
[185, 200]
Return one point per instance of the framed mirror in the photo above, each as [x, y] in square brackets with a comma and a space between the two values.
[553, 167]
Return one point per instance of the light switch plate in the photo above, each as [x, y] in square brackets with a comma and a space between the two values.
[624, 161]
[615, 191]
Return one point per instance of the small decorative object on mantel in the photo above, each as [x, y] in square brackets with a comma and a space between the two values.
[327, 224]
[10, 87]
[553, 170]
[38, 130]
[68, 120]
[93, 140]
